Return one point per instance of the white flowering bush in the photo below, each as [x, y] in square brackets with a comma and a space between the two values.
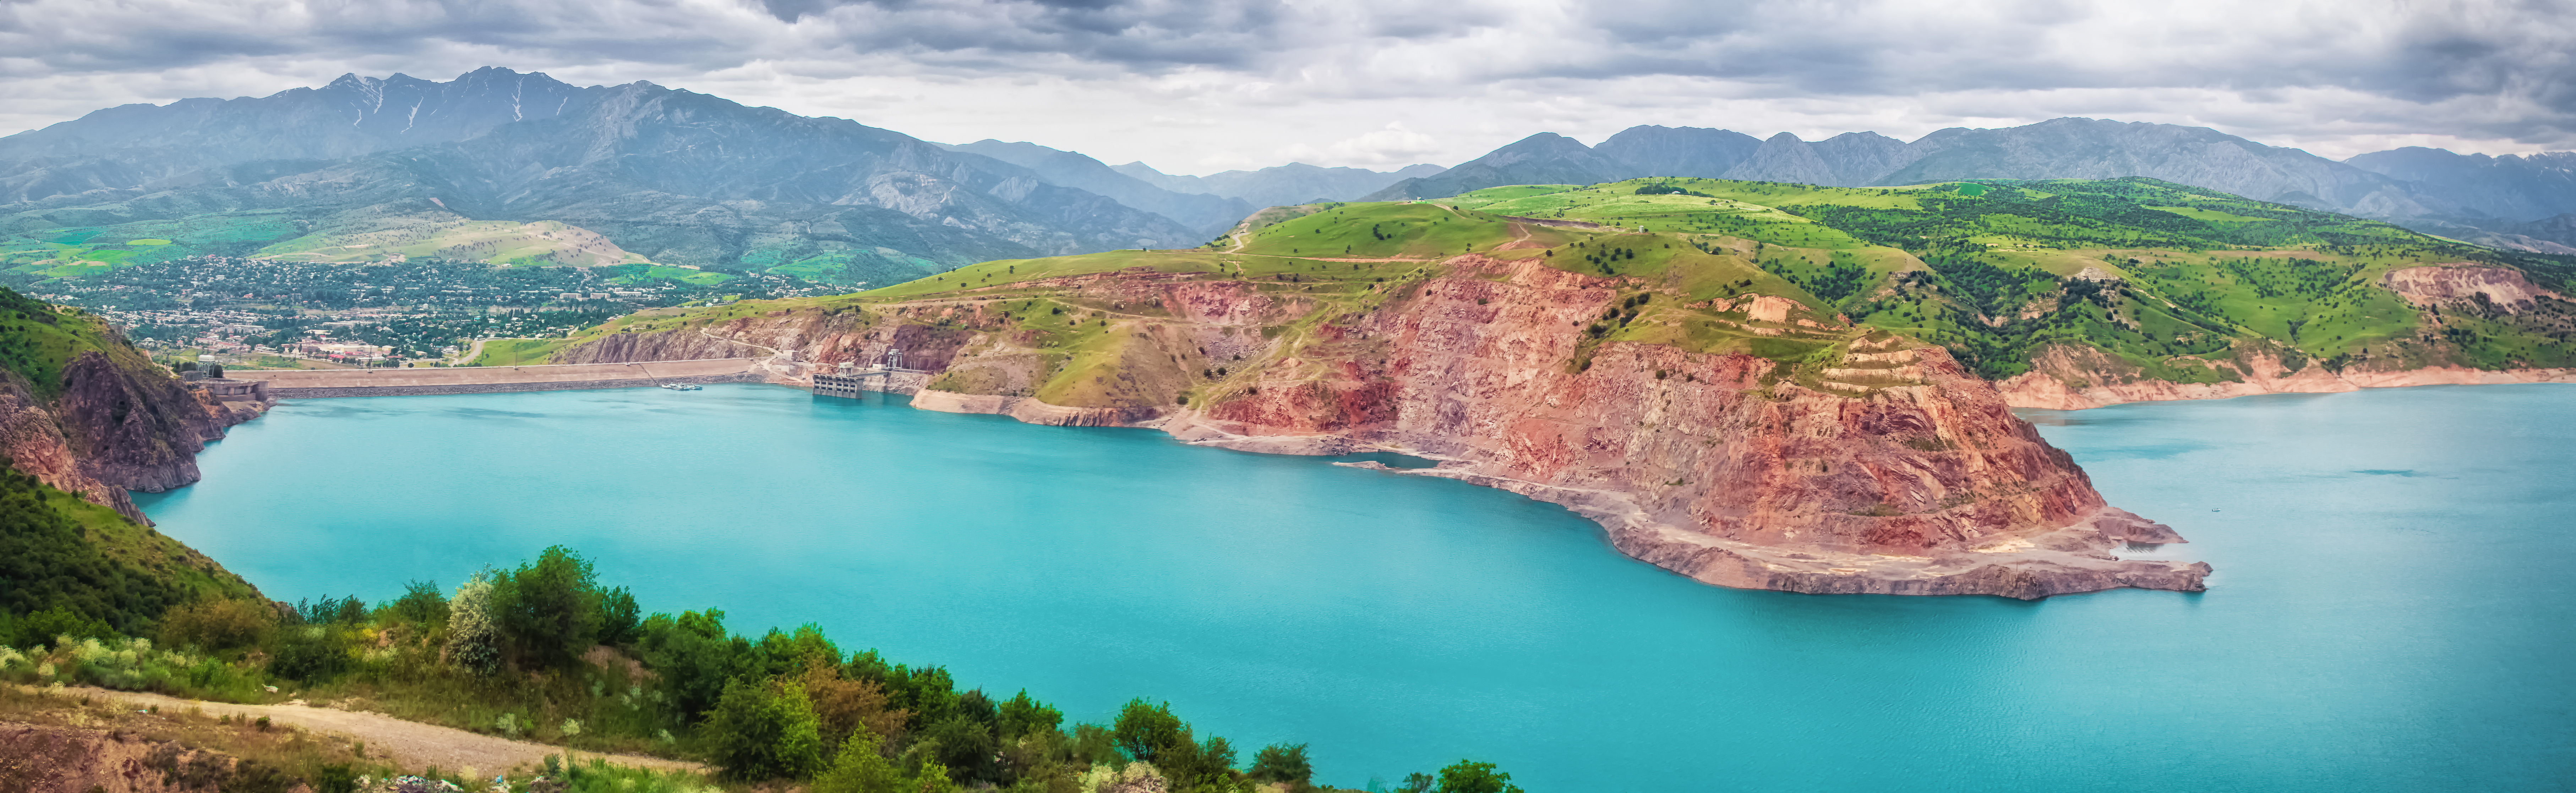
[474, 632]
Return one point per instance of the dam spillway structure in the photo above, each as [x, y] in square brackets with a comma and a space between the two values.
[850, 380]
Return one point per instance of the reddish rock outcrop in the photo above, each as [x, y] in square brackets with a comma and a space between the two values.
[1898, 472]
[2503, 287]
[120, 423]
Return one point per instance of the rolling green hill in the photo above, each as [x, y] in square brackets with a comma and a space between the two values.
[2165, 282]
[2168, 278]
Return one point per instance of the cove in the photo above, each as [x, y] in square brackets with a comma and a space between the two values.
[2391, 610]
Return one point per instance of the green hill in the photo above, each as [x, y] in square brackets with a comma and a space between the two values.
[2168, 282]
[67, 564]
[2168, 278]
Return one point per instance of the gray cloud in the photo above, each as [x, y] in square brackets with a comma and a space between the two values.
[1264, 78]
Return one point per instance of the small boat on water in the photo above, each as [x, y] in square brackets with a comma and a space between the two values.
[683, 387]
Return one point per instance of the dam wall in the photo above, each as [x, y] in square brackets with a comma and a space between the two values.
[309, 383]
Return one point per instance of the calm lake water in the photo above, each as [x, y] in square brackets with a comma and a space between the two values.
[2393, 608]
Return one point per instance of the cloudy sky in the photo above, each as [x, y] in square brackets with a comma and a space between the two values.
[1195, 87]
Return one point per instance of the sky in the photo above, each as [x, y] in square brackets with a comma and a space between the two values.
[1198, 87]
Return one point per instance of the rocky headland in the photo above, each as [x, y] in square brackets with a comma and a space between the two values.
[1875, 466]
[111, 421]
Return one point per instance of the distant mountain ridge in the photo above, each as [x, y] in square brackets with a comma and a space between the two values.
[687, 178]
[674, 175]
[2490, 200]
[1282, 185]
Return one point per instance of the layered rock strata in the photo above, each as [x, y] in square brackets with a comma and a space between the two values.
[1896, 472]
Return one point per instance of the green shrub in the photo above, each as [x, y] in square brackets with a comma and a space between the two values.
[35, 628]
[218, 625]
[598, 776]
[861, 767]
[1282, 763]
[309, 654]
[421, 604]
[762, 731]
[1467, 776]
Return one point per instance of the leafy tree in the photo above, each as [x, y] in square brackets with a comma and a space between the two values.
[850, 709]
[421, 604]
[1467, 776]
[781, 653]
[1282, 763]
[692, 655]
[618, 617]
[549, 608]
[1021, 715]
[761, 731]
[963, 745]
[1147, 732]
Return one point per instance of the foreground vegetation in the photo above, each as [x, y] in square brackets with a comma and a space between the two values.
[545, 652]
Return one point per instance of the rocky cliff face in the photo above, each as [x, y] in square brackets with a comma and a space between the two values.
[1883, 467]
[119, 423]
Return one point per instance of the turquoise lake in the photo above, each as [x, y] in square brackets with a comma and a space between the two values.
[2393, 608]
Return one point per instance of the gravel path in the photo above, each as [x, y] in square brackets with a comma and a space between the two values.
[410, 744]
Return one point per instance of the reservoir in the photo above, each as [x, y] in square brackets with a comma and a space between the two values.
[2393, 608]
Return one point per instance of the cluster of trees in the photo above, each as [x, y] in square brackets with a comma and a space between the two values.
[1666, 189]
[1842, 277]
[545, 645]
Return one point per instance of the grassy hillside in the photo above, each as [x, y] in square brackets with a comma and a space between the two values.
[370, 234]
[445, 235]
[38, 339]
[2171, 282]
[516, 352]
[2165, 277]
[70, 566]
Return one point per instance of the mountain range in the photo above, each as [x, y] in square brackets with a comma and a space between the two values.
[2513, 201]
[687, 178]
[675, 176]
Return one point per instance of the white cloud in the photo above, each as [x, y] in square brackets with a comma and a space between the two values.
[1243, 83]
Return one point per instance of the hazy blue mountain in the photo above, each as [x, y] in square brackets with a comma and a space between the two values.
[2514, 202]
[1544, 158]
[677, 176]
[2083, 148]
[1209, 215]
[2512, 188]
[136, 145]
[1678, 151]
[1282, 185]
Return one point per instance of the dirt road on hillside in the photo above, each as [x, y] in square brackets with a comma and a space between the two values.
[410, 744]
